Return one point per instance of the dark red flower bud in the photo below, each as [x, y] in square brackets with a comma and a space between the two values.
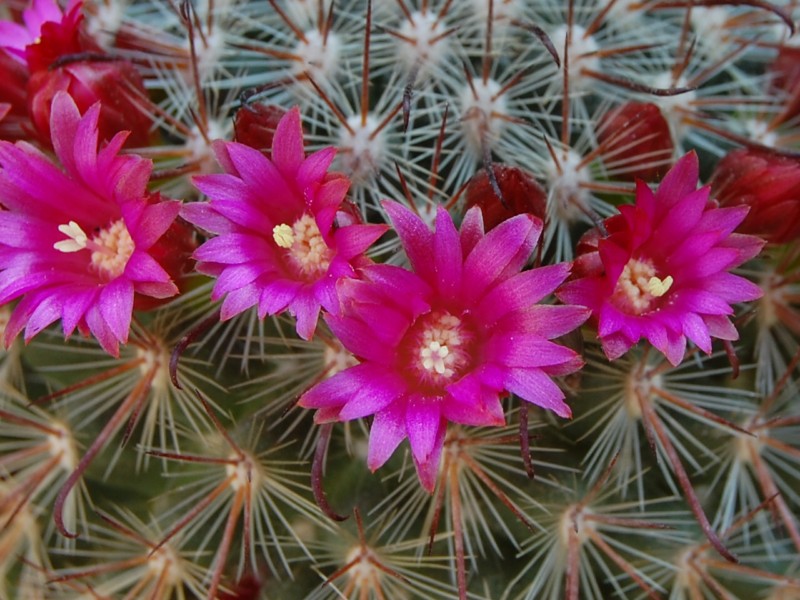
[247, 588]
[785, 80]
[521, 194]
[255, 125]
[173, 252]
[636, 142]
[115, 83]
[769, 184]
[13, 79]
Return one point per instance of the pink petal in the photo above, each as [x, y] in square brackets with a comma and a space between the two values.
[416, 238]
[546, 320]
[521, 291]
[615, 345]
[315, 168]
[527, 351]
[680, 181]
[156, 220]
[233, 248]
[204, 216]
[721, 327]
[470, 403]
[45, 312]
[472, 230]
[447, 257]
[116, 307]
[287, 144]
[428, 470]
[387, 431]
[239, 301]
[305, 308]
[423, 416]
[353, 240]
[696, 330]
[376, 388]
[75, 309]
[64, 120]
[500, 254]
[276, 296]
[532, 385]
[101, 331]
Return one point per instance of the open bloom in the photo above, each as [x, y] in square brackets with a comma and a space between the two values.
[75, 243]
[662, 272]
[446, 341]
[278, 244]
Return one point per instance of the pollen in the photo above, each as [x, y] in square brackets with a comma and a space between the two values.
[433, 357]
[658, 287]
[283, 235]
[110, 248]
[306, 248]
[441, 348]
[639, 286]
[77, 238]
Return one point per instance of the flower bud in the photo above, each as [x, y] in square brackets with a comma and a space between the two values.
[173, 252]
[769, 184]
[13, 78]
[637, 141]
[255, 125]
[115, 83]
[521, 194]
[785, 71]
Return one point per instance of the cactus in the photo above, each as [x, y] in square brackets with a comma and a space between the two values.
[399, 299]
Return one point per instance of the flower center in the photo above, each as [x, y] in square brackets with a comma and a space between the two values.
[110, 247]
[439, 349]
[306, 248]
[638, 287]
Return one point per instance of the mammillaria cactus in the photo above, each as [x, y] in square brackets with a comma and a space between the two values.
[399, 299]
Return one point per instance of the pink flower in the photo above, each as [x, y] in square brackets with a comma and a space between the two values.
[278, 243]
[46, 34]
[446, 341]
[662, 272]
[74, 243]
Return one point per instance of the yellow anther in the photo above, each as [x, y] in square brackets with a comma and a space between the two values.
[283, 235]
[658, 287]
[77, 238]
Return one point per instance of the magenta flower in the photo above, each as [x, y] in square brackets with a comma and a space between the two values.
[278, 245]
[445, 342]
[74, 242]
[43, 21]
[662, 272]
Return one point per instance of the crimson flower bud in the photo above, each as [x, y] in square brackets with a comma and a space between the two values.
[521, 194]
[637, 141]
[173, 252]
[785, 71]
[254, 126]
[769, 184]
[13, 78]
[91, 78]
